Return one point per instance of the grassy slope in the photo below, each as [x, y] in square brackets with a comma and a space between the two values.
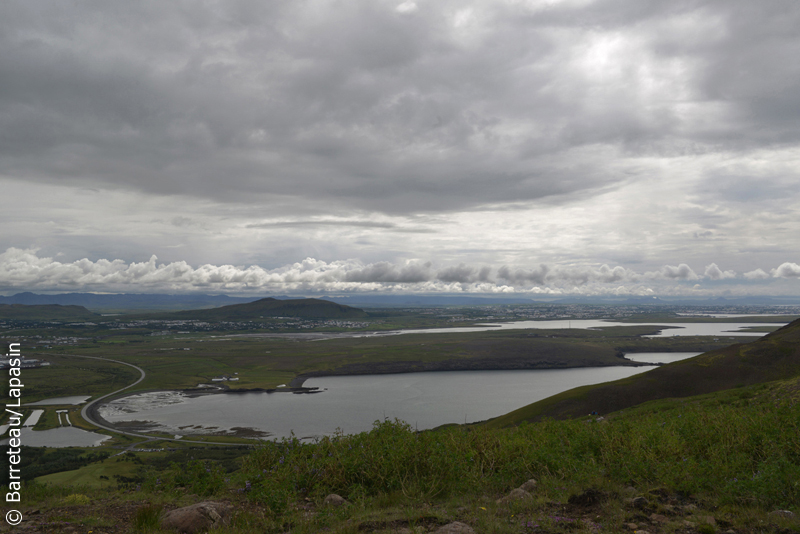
[713, 463]
[773, 357]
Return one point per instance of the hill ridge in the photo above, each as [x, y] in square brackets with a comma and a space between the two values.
[775, 356]
[272, 307]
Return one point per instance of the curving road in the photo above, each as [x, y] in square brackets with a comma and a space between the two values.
[85, 413]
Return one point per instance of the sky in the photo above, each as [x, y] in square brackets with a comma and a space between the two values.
[540, 147]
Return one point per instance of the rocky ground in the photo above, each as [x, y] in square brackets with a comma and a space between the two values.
[592, 511]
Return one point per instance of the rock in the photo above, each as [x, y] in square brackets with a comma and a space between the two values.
[515, 495]
[334, 500]
[640, 502]
[788, 514]
[455, 527]
[196, 518]
[689, 524]
[658, 518]
[632, 526]
[529, 486]
[707, 519]
[589, 497]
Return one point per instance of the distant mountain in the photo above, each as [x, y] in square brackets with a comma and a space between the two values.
[271, 307]
[418, 301]
[678, 301]
[775, 356]
[46, 312]
[127, 301]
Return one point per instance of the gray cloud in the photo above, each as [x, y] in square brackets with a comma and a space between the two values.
[787, 270]
[680, 272]
[756, 274]
[517, 146]
[464, 274]
[385, 272]
[441, 107]
[342, 223]
[26, 270]
[713, 272]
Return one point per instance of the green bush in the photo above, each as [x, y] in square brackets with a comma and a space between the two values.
[741, 452]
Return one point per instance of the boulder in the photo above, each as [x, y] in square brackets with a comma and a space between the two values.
[334, 500]
[788, 514]
[589, 497]
[455, 528]
[529, 486]
[515, 495]
[196, 518]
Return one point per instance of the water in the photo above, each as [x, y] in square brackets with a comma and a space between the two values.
[660, 357]
[669, 329]
[33, 418]
[354, 403]
[75, 399]
[65, 436]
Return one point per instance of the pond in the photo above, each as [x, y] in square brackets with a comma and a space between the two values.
[65, 436]
[55, 401]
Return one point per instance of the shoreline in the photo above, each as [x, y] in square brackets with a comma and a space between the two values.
[296, 387]
[388, 368]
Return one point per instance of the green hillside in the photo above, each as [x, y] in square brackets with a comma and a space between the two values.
[773, 357]
[46, 312]
[270, 307]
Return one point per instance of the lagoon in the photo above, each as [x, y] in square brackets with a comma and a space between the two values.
[353, 403]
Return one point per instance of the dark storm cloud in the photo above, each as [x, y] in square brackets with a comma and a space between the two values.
[361, 105]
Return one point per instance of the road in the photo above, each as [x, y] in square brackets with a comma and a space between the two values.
[85, 412]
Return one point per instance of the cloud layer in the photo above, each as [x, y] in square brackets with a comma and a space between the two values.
[388, 106]
[24, 269]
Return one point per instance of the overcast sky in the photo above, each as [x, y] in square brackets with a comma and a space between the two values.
[606, 147]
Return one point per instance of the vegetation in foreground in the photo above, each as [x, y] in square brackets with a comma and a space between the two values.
[718, 463]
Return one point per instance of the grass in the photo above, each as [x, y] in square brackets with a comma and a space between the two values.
[96, 475]
[147, 518]
[737, 452]
[733, 456]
